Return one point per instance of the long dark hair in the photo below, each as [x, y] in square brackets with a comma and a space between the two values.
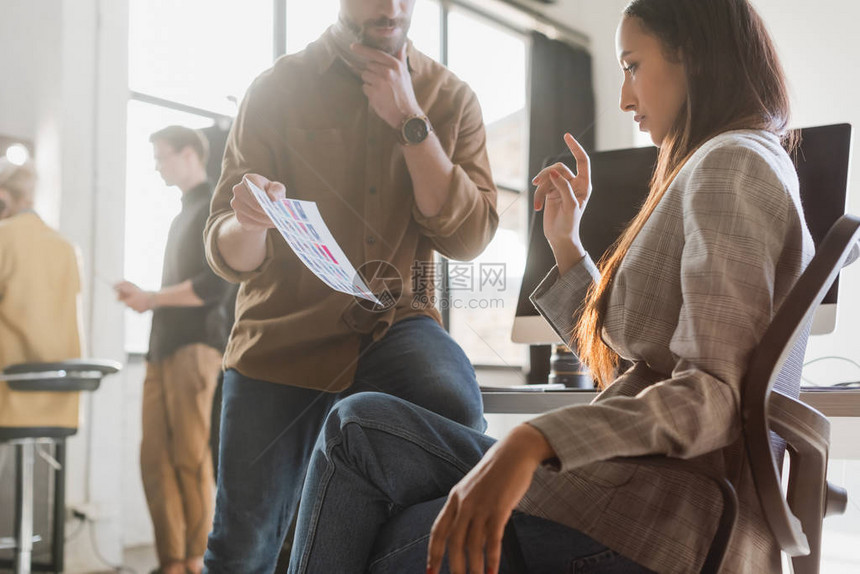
[734, 81]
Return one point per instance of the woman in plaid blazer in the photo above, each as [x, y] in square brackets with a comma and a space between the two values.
[686, 295]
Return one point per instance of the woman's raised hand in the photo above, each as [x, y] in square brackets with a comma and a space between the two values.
[563, 196]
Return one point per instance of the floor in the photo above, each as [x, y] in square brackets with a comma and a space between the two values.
[141, 559]
[137, 560]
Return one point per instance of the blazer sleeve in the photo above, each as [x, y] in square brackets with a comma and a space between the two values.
[736, 215]
[559, 298]
[468, 219]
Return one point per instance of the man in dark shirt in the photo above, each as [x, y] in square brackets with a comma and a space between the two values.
[189, 332]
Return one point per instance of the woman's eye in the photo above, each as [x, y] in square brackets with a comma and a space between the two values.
[631, 69]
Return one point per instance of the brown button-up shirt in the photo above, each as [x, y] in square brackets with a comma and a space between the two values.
[306, 123]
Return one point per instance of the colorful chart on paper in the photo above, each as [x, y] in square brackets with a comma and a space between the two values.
[302, 226]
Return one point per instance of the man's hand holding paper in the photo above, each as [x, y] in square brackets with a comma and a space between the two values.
[249, 212]
[304, 230]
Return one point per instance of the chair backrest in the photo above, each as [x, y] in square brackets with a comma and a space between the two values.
[782, 343]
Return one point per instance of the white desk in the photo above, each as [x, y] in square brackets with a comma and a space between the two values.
[831, 403]
[842, 407]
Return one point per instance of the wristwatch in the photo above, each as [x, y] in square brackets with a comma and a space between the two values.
[414, 129]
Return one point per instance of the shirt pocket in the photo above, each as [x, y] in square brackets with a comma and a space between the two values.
[317, 163]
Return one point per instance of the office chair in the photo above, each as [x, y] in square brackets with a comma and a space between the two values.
[794, 518]
[65, 376]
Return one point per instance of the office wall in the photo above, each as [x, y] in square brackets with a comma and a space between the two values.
[31, 76]
[63, 66]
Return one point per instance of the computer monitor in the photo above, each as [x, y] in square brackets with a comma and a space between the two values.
[620, 180]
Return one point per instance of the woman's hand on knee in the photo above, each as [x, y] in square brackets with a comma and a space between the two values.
[472, 522]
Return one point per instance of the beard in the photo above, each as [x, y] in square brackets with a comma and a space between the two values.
[391, 45]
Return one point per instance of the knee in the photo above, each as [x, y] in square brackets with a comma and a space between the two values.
[468, 412]
[151, 453]
[457, 400]
[363, 407]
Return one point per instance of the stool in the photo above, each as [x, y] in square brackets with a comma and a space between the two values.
[64, 376]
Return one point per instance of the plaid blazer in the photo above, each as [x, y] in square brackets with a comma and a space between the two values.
[690, 301]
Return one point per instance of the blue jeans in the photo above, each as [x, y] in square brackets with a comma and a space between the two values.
[268, 432]
[378, 477]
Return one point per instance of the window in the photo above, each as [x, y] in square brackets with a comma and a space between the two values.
[197, 52]
[189, 62]
[492, 60]
[306, 21]
[426, 28]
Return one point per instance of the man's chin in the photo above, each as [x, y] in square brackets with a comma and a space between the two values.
[388, 45]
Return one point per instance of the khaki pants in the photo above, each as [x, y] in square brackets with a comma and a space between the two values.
[175, 462]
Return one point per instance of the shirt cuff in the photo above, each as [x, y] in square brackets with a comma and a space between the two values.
[217, 262]
[463, 196]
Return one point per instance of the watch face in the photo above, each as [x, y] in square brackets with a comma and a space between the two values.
[415, 130]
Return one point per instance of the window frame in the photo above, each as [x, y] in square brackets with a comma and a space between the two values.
[445, 9]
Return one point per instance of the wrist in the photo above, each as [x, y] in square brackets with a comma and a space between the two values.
[152, 299]
[532, 442]
[567, 255]
[414, 129]
[409, 111]
[250, 231]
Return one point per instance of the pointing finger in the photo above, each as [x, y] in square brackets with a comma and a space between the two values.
[583, 162]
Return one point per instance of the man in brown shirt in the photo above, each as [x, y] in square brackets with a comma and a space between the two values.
[391, 146]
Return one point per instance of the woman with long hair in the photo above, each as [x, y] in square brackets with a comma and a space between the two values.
[681, 302]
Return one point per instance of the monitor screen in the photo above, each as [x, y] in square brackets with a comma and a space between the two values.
[620, 180]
